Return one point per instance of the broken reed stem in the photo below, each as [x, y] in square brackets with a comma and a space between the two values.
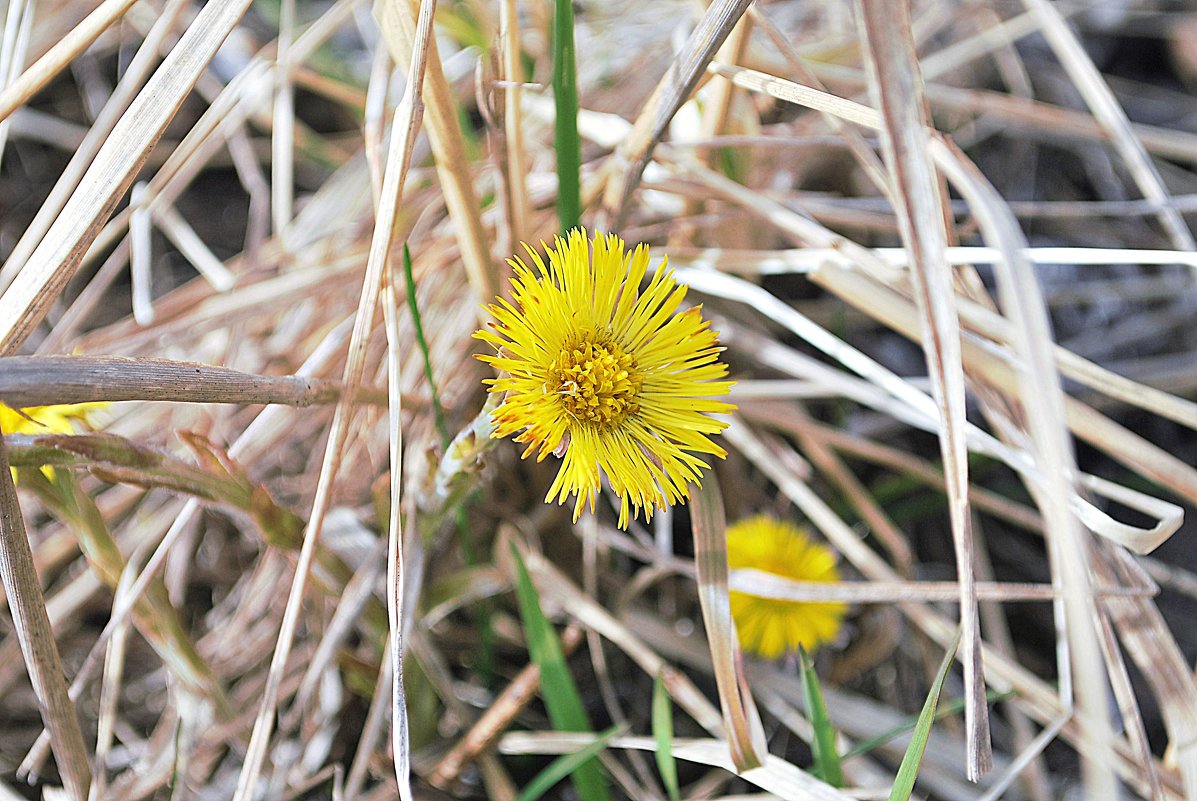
[50, 380]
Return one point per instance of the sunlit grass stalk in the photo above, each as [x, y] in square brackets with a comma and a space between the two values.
[565, 95]
[566, 764]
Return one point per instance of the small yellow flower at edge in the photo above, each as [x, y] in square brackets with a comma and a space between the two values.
[769, 627]
[615, 381]
[35, 420]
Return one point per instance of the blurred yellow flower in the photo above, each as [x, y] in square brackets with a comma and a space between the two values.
[769, 627]
[615, 381]
[60, 419]
[34, 420]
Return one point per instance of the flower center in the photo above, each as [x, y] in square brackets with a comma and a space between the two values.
[596, 381]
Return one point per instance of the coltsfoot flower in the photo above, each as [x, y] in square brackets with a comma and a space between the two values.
[60, 419]
[615, 381]
[769, 627]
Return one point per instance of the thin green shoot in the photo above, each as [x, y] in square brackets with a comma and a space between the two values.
[566, 764]
[663, 734]
[908, 771]
[557, 686]
[565, 95]
[827, 761]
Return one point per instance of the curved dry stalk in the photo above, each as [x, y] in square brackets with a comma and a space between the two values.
[28, 606]
[896, 82]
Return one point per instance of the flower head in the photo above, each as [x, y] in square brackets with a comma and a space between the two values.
[770, 627]
[60, 419]
[615, 381]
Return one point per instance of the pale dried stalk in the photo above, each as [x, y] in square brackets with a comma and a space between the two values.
[893, 69]
[24, 593]
[282, 135]
[770, 585]
[141, 256]
[398, 23]
[27, 300]
[513, 117]
[776, 776]
[745, 735]
[404, 127]
[672, 91]
[409, 114]
[1101, 101]
[75, 42]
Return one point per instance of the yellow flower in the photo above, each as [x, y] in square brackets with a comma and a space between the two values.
[35, 420]
[615, 381]
[769, 627]
[60, 419]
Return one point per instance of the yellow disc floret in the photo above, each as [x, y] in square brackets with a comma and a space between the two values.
[596, 382]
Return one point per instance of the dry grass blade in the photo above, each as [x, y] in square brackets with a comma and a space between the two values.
[46, 380]
[405, 125]
[1102, 102]
[1042, 398]
[775, 775]
[49, 65]
[517, 187]
[397, 18]
[409, 115]
[745, 736]
[282, 141]
[27, 300]
[673, 90]
[893, 65]
[147, 56]
[28, 606]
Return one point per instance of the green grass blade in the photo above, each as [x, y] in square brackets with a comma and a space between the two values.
[418, 326]
[557, 687]
[663, 734]
[945, 710]
[827, 760]
[909, 770]
[565, 95]
[564, 765]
